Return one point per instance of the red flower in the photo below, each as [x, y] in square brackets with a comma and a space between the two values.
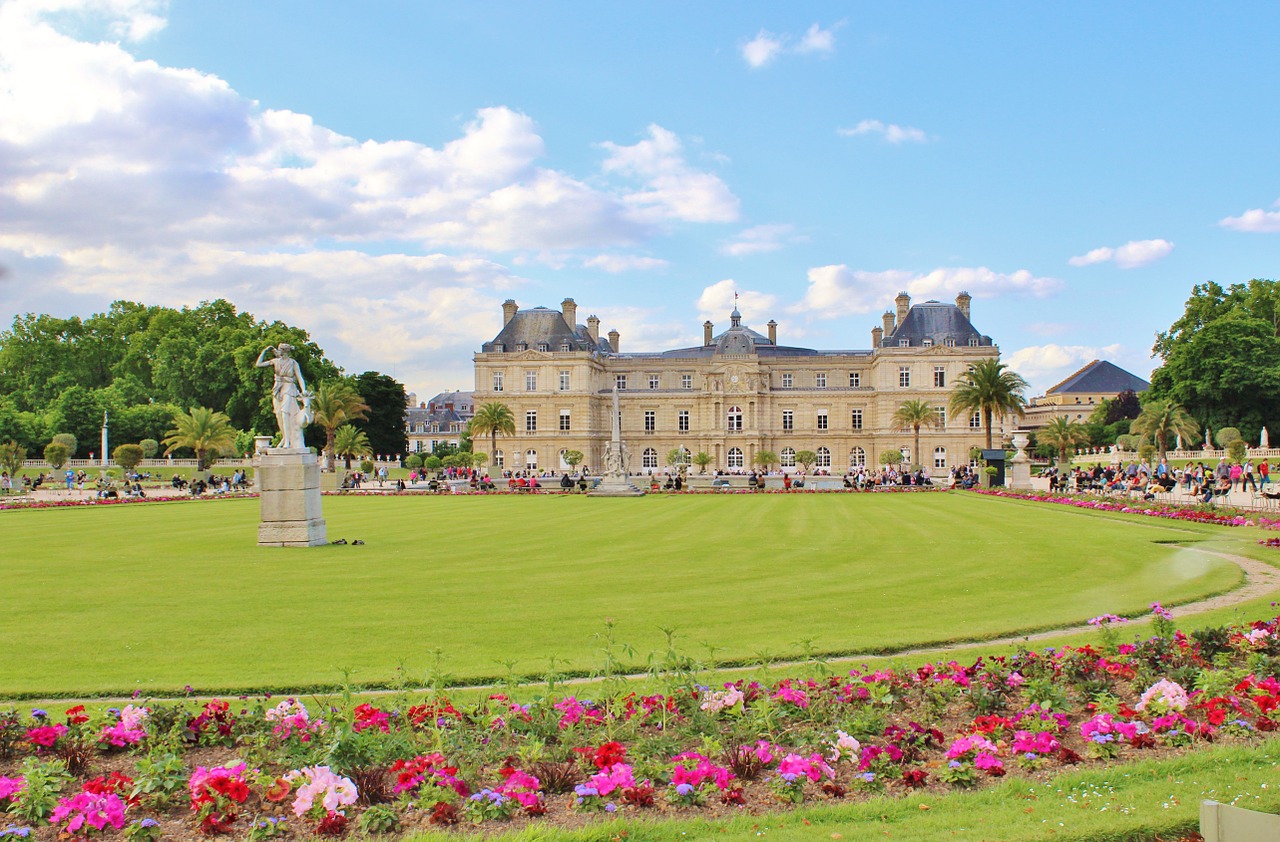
[278, 791]
[77, 716]
[334, 824]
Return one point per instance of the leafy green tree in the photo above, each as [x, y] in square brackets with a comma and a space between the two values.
[1063, 434]
[413, 461]
[573, 458]
[432, 463]
[66, 440]
[452, 461]
[493, 419]
[478, 460]
[1164, 421]
[127, 456]
[150, 447]
[702, 459]
[989, 388]
[12, 456]
[351, 442]
[765, 458]
[806, 458]
[384, 422]
[1226, 435]
[335, 403]
[56, 455]
[1236, 451]
[913, 415]
[889, 457]
[207, 432]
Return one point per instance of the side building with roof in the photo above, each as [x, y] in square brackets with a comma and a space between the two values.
[736, 394]
[1077, 396]
[443, 419]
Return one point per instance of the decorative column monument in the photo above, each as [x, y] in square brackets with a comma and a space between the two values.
[616, 482]
[106, 455]
[1021, 474]
[288, 476]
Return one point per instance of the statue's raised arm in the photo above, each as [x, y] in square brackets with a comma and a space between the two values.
[263, 362]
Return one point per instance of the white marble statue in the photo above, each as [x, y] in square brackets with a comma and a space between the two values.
[289, 395]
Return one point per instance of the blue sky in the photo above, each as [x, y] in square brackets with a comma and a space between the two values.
[384, 174]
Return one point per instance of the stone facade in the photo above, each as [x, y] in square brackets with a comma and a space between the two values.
[737, 394]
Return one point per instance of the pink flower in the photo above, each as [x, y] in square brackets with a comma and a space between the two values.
[617, 776]
[321, 783]
[812, 767]
[9, 787]
[88, 808]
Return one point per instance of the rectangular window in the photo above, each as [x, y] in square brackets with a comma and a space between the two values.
[531, 381]
[620, 382]
[939, 376]
[682, 421]
[904, 376]
[686, 381]
[650, 420]
[786, 380]
[855, 380]
[904, 343]
[857, 419]
[973, 342]
[788, 420]
[941, 412]
[564, 419]
[820, 380]
[975, 422]
[531, 421]
[654, 380]
[822, 419]
[564, 381]
[564, 347]
[544, 347]
[497, 381]
[950, 342]
[927, 343]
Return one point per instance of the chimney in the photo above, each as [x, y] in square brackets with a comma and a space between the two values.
[707, 329]
[593, 327]
[904, 304]
[962, 301]
[773, 331]
[888, 323]
[877, 334]
[508, 311]
[613, 340]
[570, 310]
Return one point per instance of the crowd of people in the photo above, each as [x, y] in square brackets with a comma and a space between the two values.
[1197, 480]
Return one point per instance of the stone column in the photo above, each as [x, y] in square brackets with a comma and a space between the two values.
[289, 499]
[1020, 476]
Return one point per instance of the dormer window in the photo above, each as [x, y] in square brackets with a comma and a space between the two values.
[973, 342]
[564, 347]
[949, 342]
[544, 347]
[498, 347]
[904, 343]
[522, 346]
[927, 343]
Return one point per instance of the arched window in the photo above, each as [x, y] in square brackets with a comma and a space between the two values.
[497, 459]
[735, 419]
[857, 458]
[939, 457]
[824, 458]
[788, 457]
[649, 459]
[564, 465]
[735, 458]
[531, 460]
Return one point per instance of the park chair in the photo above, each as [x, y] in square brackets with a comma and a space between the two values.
[1221, 823]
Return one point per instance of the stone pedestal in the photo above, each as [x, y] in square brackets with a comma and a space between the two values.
[1020, 476]
[289, 496]
[615, 486]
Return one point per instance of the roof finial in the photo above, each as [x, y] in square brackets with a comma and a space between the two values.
[735, 317]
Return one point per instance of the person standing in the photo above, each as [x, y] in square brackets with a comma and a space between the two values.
[1247, 476]
[1264, 474]
[289, 395]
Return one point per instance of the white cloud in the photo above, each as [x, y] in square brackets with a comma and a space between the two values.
[1131, 255]
[837, 290]
[717, 301]
[891, 132]
[761, 49]
[759, 239]
[674, 190]
[767, 46]
[1255, 221]
[1045, 365]
[615, 263]
[817, 40]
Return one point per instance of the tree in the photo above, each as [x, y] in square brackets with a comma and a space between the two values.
[988, 388]
[127, 456]
[1225, 436]
[702, 459]
[384, 422]
[431, 463]
[203, 430]
[913, 415]
[765, 458]
[1063, 434]
[1236, 450]
[351, 442]
[490, 420]
[67, 440]
[806, 458]
[478, 460]
[573, 458]
[150, 447]
[1164, 420]
[336, 402]
[413, 462]
[12, 456]
[56, 455]
[892, 457]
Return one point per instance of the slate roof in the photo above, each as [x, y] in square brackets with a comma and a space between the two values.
[462, 402]
[1102, 378]
[937, 321]
[542, 325]
[443, 419]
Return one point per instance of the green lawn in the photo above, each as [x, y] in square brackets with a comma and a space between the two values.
[158, 596]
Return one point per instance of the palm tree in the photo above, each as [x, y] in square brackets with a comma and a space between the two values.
[989, 387]
[336, 402]
[491, 419]
[205, 431]
[915, 414]
[1162, 420]
[350, 442]
[1063, 434]
[702, 459]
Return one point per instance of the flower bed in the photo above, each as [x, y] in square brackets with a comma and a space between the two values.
[1133, 507]
[264, 768]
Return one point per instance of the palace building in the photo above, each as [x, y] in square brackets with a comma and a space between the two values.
[737, 394]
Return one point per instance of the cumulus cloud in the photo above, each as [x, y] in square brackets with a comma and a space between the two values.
[767, 46]
[1045, 365]
[759, 239]
[673, 189]
[1255, 221]
[891, 132]
[837, 290]
[717, 301]
[1131, 255]
[615, 263]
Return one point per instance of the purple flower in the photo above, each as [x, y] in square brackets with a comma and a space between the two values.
[610, 807]
[684, 789]
[37, 713]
